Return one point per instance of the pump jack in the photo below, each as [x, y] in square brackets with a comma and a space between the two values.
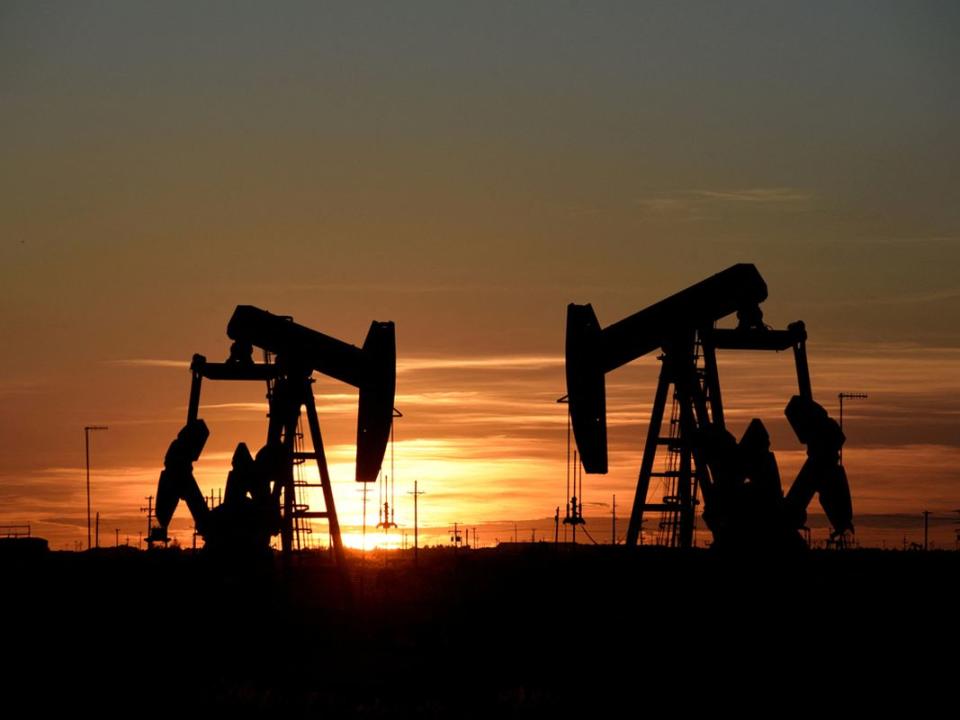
[744, 504]
[260, 500]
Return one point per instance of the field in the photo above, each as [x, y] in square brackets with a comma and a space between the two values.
[518, 630]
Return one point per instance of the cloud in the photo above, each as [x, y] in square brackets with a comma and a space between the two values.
[260, 407]
[408, 364]
[918, 298]
[664, 204]
[754, 195]
[9, 388]
[495, 362]
[693, 204]
[150, 363]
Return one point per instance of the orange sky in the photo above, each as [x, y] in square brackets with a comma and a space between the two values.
[486, 439]
[467, 172]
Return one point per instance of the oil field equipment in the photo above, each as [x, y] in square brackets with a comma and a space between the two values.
[261, 495]
[739, 482]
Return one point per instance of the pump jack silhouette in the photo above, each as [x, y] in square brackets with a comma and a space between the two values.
[260, 500]
[744, 505]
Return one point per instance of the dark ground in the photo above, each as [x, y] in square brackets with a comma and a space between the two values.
[515, 631]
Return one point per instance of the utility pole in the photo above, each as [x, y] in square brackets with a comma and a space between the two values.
[97, 534]
[86, 437]
[926, 530]
[416, 522]
[847, 396]
[149, 511]
[556, 526]
[116, 532]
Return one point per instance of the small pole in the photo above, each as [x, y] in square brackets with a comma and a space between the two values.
[149, 510]
[416, 522]
[86, 437]
[97, 536]
[86, 433]
[848, 396]
[926, 530]
[116, 532]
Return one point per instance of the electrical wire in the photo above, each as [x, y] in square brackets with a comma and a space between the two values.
[587, 532]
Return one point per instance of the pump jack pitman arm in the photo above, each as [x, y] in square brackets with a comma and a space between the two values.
[371, 368]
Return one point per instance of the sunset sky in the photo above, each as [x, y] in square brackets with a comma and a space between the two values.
[466, 172]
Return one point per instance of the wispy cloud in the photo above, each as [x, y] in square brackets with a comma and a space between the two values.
[917, 298]
[664, 204]
[493, 362]
[149, 363]
[408, 364]
[754, 195]
[695, 203]
[252, 406]
[19, 387]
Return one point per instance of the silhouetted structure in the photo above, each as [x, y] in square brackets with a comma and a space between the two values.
[18, 541]
[848, 396]
[387, 507]
[261, 493]
[416, 519]
[739, 482]
[86, 443]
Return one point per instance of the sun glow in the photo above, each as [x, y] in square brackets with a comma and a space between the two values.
[374, 539]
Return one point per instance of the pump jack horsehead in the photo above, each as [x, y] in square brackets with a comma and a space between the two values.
[744, 504]
[260, 499]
